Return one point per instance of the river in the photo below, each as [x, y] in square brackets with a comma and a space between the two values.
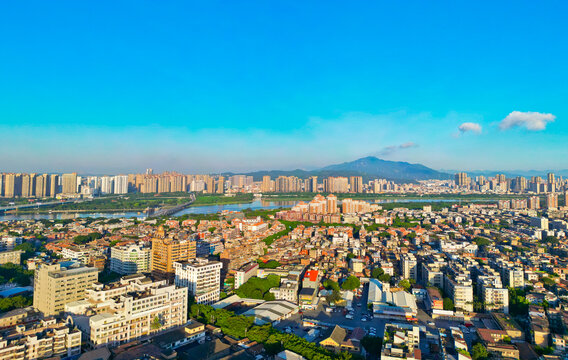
[207, 209]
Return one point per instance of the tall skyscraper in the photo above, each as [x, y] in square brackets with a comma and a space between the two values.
[551, 182]
[53, 185]
[69, 183]
[107, 185]
[461, 179]
[552, 201]
[13, 185]
[312, 183]
[265, 186]
[41, 183]
[534, 203]
[331, 201]
[356, 184]
[220, 185]
[120, 184]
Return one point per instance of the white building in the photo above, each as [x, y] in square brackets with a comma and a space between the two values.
[133, 307]
[120, 184]
[202, 277]
[244, 273]
[388, 304]
[107, 186]
[130, 259]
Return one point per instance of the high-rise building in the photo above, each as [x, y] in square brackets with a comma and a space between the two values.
[265, 187]
[520, 184]
[220, 185]
[337, 184]
[534, 203]
[13, 185]
[551, 182]
[201, 277]
[461, 179]
[69, 183]
[312, 184]
[120, 184]
[41, 186]
[107, 185]
[166, 251]
[28, 185]
[53, 185]
[552, 201]
[1, 184]
[56, 285]
[130, 259]
[331, 201]
[356, 184]
[409, 267]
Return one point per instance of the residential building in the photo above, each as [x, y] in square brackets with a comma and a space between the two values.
[126, 310]
[13, 257]
[58, 284]
[130, 259]
[202, 277]
[166, 251]
[245, 272]
[46, 338]
[401, 341]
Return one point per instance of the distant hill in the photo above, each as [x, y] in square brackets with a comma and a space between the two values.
[396, 170]
[369, 167]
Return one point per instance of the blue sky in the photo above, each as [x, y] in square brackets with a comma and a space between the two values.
[108, 87]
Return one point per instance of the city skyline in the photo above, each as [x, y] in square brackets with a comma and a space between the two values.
[235, 88]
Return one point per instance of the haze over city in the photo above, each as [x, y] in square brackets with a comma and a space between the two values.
[205, 88]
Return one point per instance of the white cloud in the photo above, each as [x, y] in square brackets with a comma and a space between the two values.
[389, 150]
[533, 121]
[407, 145]
[470, 126]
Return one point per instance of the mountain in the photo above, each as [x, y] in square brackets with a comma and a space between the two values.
[394, 170]
[369, 167]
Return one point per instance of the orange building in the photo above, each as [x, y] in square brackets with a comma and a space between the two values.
[166, 251]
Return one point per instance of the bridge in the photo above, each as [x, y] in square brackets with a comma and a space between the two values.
[36, 205]
[172, 210]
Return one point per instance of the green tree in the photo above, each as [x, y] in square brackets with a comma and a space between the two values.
[448, 304]
[482, 241]
[257, 288]
[260, 333]
[330, 285]
[237, 326]
[405, 284]
[385, 278]
[479, 352]
[377, 272]
[333, 297]
[271, 264]
[156, 324]
[351, 283]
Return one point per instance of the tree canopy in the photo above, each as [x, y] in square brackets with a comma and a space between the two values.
[257, 288]
[351, 283]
